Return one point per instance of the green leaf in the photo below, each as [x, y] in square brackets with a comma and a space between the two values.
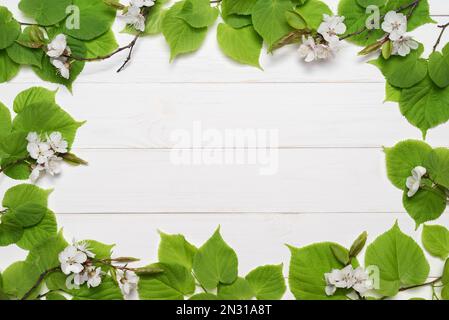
[307, 268]
[32, 96]
[403, 72]
[269, 19]
[25, 193]
[45, 255]
[238, 7]
[13, 151]
[5, 120]
[101, 250]
[56, 281]
[49, 73]
[101, 46]
[439, 67]
[237, 21]
[400, 260]
[312, 12]
[358, 245]
[204, 297]
[198, 13]
[175, 249]
[437, 165]
[173, 283]
[10, 28]
[240, 289]
[54, 296]
[46, 118]
[425, 205]
[181, 37]
[267, 282]
[8, 68]
[215, 262]
[39, 233]
[10, 231]
[295, 20]
[153, 22]
[24, 55]
[425, 105]
[436, 240]
[45, 12]
[96, 18]
[242, 45]
[19, 278]
[403, 158]
[29, 214]
[393, 94]
[107, 290]
[367, 3]
[341, 254]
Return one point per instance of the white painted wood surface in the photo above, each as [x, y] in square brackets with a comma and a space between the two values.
[331, 183]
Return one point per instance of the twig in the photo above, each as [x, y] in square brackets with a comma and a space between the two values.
[443, 28]
[38, 282]
[431, 283]
[412, 6]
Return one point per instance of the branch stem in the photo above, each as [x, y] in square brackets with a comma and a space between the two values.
[38, 282]
[443, 29]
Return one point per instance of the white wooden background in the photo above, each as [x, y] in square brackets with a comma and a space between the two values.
[331, 183]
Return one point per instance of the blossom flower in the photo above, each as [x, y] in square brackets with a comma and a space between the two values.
[57, 47]
[40, 151]
[62, 65]
[331, 27]
[57, 142]
[127, 281]
[307, 49]
[36, 172]
[362, 282]
[413, 182]
[83, 247]
[33, 137]
[347, 278]
[135, 18]
[395, 24]
[404, 45]
[53, 165]
[141, 3]
[72, 260]
[93, 276]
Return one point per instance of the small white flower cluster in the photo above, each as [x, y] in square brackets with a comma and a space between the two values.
[413, 182]
[58, 50]
[311, 50]
[348, 278]
[127, 281]
[46, 153]
[75, 260]
[395, 24]
[134, 16]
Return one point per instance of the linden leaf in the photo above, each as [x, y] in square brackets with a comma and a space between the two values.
[198, 13]
[439, 67]
[242, 45]
[45, 12]
[10, 28]
[436, 240]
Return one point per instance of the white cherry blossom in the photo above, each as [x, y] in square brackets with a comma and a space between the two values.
[93, 276]
[83, 246]
[331, 27]
[33, 137]
[395, 24]
[413, 182]
[40, 151]
[36, 172]
[404, 45]
[135, 18]
[307, 49]
[57, 142]
[53, 165]
[127, 281]
[339, 279]
[57, 47]
[362, 282]
[141, 3]
[62, 65]
[72, 260]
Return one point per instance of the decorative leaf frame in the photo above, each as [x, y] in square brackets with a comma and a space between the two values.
[211, 271]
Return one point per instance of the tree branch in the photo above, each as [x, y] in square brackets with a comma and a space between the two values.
[38, 282]
[443, 28]
[412, 6]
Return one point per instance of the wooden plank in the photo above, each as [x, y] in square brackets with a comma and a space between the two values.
[303, 115]
[308, 180]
